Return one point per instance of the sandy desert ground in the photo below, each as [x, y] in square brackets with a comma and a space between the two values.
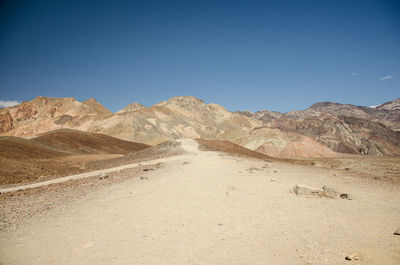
[206, 207]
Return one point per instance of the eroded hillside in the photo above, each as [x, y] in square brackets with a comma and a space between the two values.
[323, 130]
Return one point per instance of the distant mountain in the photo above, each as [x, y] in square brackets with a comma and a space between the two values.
[391, 105]
[178, 117]
[132, 107]
[44, 114]
[323, 130]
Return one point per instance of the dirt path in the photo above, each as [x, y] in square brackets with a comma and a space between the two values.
[85, 175]
[209, 208]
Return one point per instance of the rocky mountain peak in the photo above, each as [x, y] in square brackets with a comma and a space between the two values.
[132, 107]
[181, 101]
[96, 107]
[390, 105]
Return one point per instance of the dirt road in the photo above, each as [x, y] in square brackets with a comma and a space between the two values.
[212, 208]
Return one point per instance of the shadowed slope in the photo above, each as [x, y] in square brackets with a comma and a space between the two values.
[229, 147]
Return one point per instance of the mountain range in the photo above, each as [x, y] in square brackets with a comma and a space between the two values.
[325, 129]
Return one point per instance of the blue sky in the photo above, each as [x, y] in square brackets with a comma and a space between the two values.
[277, 55]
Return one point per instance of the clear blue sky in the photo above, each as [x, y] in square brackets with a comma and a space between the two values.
[277, 55]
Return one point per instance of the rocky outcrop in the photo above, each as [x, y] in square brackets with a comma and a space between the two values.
[44, 114]
[387, 113]
[277, 143]
[131, 107]
[344, 134]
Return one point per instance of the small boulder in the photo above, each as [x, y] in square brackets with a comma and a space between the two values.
[103, 176]
[307, 190]
[346, 196]
[313, 191]
[330, 192]
[397, 232]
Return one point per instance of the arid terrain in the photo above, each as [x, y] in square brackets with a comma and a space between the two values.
[209, 207]
[185, 182]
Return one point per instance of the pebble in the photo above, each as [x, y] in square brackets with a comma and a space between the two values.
[354, 256]
[346, 196]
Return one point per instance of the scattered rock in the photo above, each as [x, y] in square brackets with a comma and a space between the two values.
[354, 256]
[144, 177]
[272, 180]
[346, 196]
[275, 171]
[103, 176]
[185, 163]
[397, 232]
[251, 169]
[148, 169]
[330, 192]
[313, 191]
[308, 190]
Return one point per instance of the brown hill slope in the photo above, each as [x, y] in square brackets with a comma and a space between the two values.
[229, 147]
[58, 153]
[79, 142]
[19, 149]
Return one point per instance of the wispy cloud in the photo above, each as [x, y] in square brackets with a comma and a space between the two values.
[354, 73]
[8, 103]
[386, 77]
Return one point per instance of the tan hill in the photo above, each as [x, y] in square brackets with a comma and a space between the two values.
[178, 117]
